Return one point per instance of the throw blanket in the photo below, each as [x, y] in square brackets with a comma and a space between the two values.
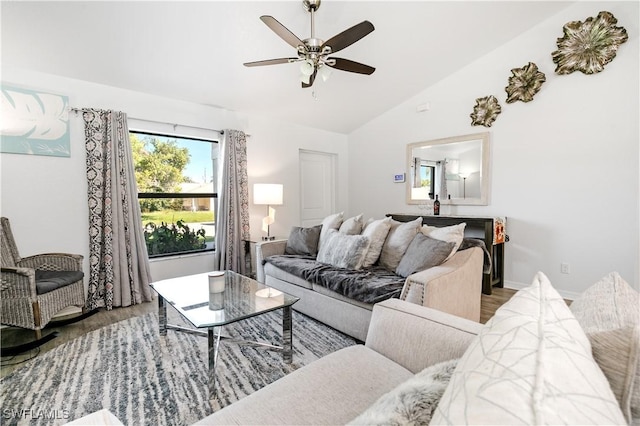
[368, 285]
[474, 242]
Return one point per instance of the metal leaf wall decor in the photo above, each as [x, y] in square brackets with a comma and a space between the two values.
[524, 83]
[485, 111]
[588, 46]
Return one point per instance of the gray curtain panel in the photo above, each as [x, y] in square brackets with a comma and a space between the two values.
[119, 272]
[232, 223]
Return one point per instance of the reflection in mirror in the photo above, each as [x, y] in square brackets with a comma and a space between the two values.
[455, 169]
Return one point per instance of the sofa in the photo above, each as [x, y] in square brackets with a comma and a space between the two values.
[336, 293]
[534, 362]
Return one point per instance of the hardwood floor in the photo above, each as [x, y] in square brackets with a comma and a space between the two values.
[12, 336]
[490, 303]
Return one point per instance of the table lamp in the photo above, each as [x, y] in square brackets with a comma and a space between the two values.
[269, 194]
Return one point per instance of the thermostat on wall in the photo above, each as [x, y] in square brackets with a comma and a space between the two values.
[398, 178]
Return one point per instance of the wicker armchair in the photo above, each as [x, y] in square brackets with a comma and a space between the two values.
[35, 288]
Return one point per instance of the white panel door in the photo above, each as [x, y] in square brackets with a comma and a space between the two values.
[317, 186]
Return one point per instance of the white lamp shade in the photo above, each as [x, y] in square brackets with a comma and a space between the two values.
[267, 194]
[325, 72]
[307, 67]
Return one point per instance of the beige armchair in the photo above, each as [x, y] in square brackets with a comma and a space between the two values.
[35, 288]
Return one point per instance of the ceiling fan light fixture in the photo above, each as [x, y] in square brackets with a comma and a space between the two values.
[307, 67]
[313, 52]
[325, 72]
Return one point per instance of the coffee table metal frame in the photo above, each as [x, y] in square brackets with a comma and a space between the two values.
[214, 329]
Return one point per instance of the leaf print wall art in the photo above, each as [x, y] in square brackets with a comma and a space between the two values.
[34, 122]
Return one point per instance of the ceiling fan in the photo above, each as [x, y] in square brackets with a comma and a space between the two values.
[313, 53]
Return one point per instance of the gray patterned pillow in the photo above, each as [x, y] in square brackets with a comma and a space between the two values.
[343, 251]
[423, 253]
[303, 241]
[412, 402]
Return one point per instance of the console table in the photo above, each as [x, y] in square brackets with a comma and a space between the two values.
[490, 229]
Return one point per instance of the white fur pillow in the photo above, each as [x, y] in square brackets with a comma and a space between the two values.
[452, 234]
[400, 236]
[412, 402]
[377, 232]
[343, 251]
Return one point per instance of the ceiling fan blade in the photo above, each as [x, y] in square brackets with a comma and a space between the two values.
[349, 36]
[312, 78]
[351, 66]
[270, 62]
[282, 31]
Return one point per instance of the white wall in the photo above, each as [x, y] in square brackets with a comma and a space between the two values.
[564, 166]
[45, 197]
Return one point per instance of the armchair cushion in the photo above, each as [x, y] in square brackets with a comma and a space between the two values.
[47, 281]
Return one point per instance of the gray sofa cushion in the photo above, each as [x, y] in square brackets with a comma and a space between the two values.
[303, 241]
[331, 391]
[423, 253]
[368, 285]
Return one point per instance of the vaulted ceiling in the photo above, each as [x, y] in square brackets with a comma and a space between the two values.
[194, 51]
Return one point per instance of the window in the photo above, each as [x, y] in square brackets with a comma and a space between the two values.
[427, 178]
[176, 178]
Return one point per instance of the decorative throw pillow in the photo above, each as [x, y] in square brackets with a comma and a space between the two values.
[411, 402]
[609, 313]
[530, 364]
[377, 232]
[328, 223]
[352, 226]
[303, 241]
[343, 251]
[400, 236]
[453, 233]
[423, 253]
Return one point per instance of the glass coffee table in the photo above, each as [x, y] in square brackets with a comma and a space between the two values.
[209, 309]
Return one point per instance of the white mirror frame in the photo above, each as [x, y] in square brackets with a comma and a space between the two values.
[483, 200]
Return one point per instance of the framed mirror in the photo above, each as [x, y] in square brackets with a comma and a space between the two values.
[456, 169]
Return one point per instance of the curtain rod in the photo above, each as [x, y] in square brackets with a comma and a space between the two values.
[78, 110]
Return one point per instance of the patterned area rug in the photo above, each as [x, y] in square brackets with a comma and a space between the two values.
[144, 379]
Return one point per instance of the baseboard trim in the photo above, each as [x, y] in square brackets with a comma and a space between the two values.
[514, 285]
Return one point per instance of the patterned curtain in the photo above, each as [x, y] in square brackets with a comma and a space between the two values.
[119, 266]
[232, 223]
[441, 179]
